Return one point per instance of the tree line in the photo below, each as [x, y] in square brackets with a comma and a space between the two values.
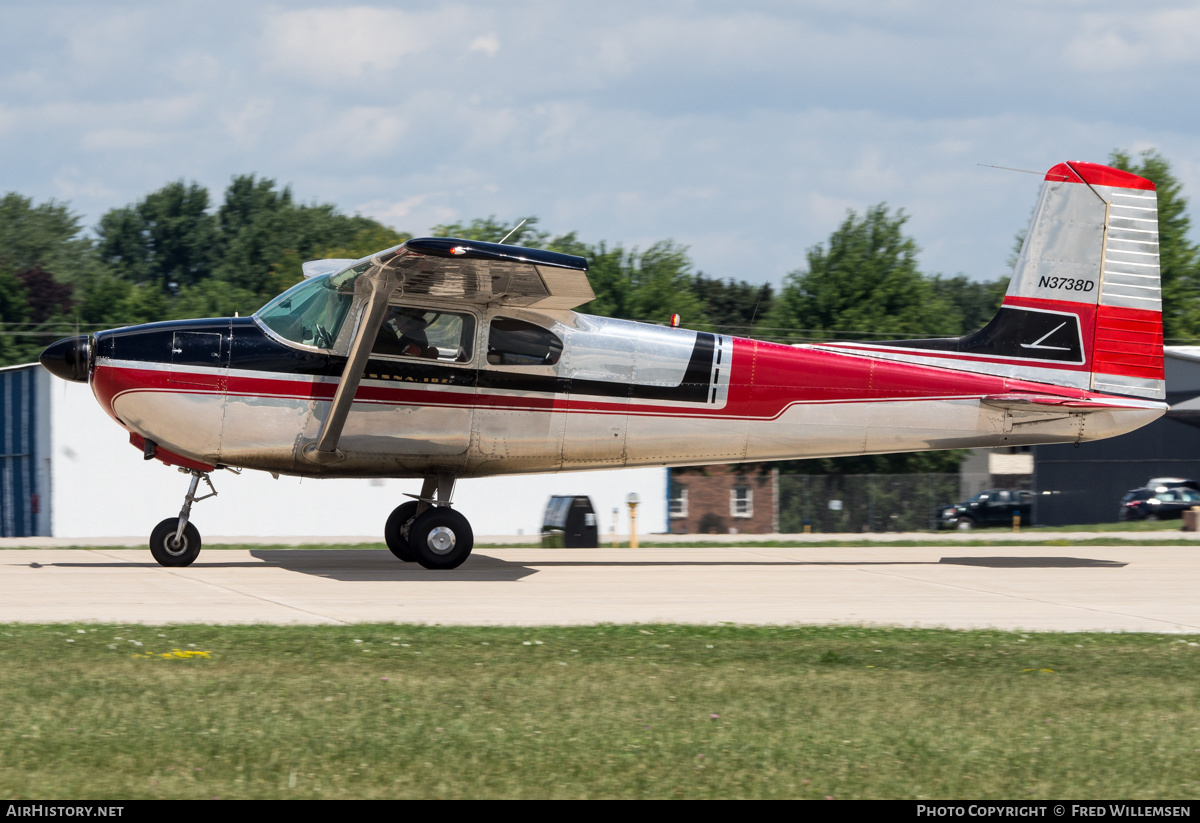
[176, 254]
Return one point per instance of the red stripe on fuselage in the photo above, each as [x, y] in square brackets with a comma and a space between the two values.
[766, 378]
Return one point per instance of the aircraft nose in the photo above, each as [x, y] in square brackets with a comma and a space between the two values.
[69, 358]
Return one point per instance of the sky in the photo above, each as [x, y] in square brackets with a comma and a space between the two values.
[744, 131]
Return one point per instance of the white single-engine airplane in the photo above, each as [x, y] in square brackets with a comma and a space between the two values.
[444, 359]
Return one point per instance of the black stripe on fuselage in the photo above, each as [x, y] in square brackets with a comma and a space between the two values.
[251, 349]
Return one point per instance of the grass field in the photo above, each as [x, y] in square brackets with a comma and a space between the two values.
[380, 711]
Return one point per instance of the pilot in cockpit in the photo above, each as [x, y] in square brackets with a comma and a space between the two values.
[403, 332]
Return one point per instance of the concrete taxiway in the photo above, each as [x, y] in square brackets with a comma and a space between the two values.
[1044, 588]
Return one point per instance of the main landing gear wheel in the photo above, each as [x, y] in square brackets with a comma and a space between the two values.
[393, 533]
[441, 538]
[169, 553]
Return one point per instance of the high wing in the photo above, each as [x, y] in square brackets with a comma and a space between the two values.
[475, 272]
[490, 273]
[447, 268]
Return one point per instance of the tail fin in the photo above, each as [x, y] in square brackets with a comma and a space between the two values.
[1084, 307]
[1092, 252]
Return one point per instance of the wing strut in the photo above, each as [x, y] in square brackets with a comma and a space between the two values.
[324, 449]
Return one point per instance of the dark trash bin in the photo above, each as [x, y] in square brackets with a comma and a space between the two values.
[570, 523]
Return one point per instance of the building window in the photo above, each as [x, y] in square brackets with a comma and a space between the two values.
[741, 501]
[679, 501]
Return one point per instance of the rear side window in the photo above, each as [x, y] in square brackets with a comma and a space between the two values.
[514, 342]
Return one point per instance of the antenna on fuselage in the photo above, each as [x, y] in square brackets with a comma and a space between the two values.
[513, 229]
[1009, 168]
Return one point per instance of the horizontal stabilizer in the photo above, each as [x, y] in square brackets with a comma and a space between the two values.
[1030, 402]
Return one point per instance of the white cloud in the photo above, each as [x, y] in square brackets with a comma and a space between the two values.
[72, 183]
[744, 131]
[98, 41]
[359, 133]
[120, 139]
[1117, 42]
[344, 44]
[247, 121]
[488, 44]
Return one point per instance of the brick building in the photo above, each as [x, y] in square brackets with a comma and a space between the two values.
[722, 500]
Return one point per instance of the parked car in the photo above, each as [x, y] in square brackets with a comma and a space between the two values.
[1172, 483]
[1157, 502]
[994, 507]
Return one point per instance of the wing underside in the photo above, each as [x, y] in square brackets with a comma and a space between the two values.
[488, 273]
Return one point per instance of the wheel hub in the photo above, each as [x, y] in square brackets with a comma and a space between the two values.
[174, 547]
[440, 540]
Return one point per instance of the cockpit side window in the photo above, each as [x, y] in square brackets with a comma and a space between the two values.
[514, 342]
[408, 331]
[310, 313]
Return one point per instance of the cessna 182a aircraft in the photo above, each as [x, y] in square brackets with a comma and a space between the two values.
[445, 359]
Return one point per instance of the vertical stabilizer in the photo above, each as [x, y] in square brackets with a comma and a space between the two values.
[1084, 307]
[1090, 258]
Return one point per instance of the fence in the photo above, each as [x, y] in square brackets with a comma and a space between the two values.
[863, 502]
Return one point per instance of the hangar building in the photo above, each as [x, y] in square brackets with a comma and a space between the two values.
[1085, 484]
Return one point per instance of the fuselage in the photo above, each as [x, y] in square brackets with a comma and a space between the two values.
[580, 393]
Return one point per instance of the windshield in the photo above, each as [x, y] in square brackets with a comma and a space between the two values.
[311, 313]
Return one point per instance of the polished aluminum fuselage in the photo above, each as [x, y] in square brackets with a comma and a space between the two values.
[230, 393]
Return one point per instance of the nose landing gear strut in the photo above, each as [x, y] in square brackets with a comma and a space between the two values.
[175, 541]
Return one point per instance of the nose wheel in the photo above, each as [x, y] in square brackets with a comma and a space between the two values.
[175, 541]
[170, 552]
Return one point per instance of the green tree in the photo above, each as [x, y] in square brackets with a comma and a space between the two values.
[210, 298]
[649, 286]
[287, 271]
[46, 235]
[865, 284]
[1179, 259]
[491, 230]
[14, 317]
[662, 279]
[167, 238]
[526, 233]
[733, 306]
[631, 284]
[43, 253]
[972, 303]
[262, 230]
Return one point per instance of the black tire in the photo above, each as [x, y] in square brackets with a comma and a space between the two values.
[441, 539]
[964, 524]
[392, 535]
[1152, 517]
[162, 538]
